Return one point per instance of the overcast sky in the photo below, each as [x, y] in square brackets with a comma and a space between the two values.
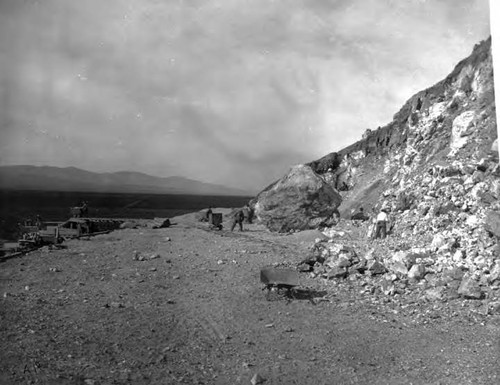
[223, 91]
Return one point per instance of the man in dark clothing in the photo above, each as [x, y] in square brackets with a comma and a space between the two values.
[247, 213]
[84, 209]
[39, 222]
[238, 219]
[209, 214]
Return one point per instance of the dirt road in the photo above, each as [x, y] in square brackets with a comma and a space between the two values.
[185, 305]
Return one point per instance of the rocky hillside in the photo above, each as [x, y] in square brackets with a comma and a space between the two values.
[435, 167]
[442, 136]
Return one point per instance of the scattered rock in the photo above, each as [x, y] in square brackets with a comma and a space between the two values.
[435, 293]
[337, 272]
[359, 267]
[308, 236]
[257, 379]
[494, 307]
[469, 288]
[417, 272]
[138, 256]
[399, 267]
[128, 225]
[375, 267]
[370, 255]
[492, 222]
[495, 272]
[159, 223]
[304, 267]
[387, 287]
[344, 261]
[438, 241]
[494, 146]
[452, 274]
[404, 258]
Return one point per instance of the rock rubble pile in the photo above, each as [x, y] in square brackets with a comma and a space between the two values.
[385, 267]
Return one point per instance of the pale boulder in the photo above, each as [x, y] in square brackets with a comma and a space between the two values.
[300, 200]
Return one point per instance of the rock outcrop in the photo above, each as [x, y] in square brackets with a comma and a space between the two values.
[300, 200]
[445, 131]
[436, 168]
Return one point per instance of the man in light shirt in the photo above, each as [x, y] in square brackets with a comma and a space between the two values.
[381, 229]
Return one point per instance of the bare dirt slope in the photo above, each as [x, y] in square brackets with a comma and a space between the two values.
[195, 313]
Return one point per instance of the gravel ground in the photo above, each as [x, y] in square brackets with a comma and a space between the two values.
[185, 305]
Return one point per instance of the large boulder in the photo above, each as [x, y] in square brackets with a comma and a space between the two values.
[300, 200]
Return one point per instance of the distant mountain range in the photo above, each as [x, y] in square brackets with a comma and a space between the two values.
[74, 179]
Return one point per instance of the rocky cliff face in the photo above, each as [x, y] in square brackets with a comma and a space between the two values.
[435, 166]
[443, 132]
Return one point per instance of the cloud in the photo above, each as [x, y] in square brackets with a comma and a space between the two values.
[226, 91]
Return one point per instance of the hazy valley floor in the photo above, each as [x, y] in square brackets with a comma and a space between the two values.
[195, 313]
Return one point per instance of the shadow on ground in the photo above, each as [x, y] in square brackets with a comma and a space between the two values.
[301, 294]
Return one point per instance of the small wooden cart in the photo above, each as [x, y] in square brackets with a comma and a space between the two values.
[215, 221]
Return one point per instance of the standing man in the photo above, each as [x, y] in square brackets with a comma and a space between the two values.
[208, 215]
[238, 219]
[39, 222]
[246, 214]
[85, 209]
[382, 218]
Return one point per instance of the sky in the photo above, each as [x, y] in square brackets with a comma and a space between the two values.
[232, 92]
